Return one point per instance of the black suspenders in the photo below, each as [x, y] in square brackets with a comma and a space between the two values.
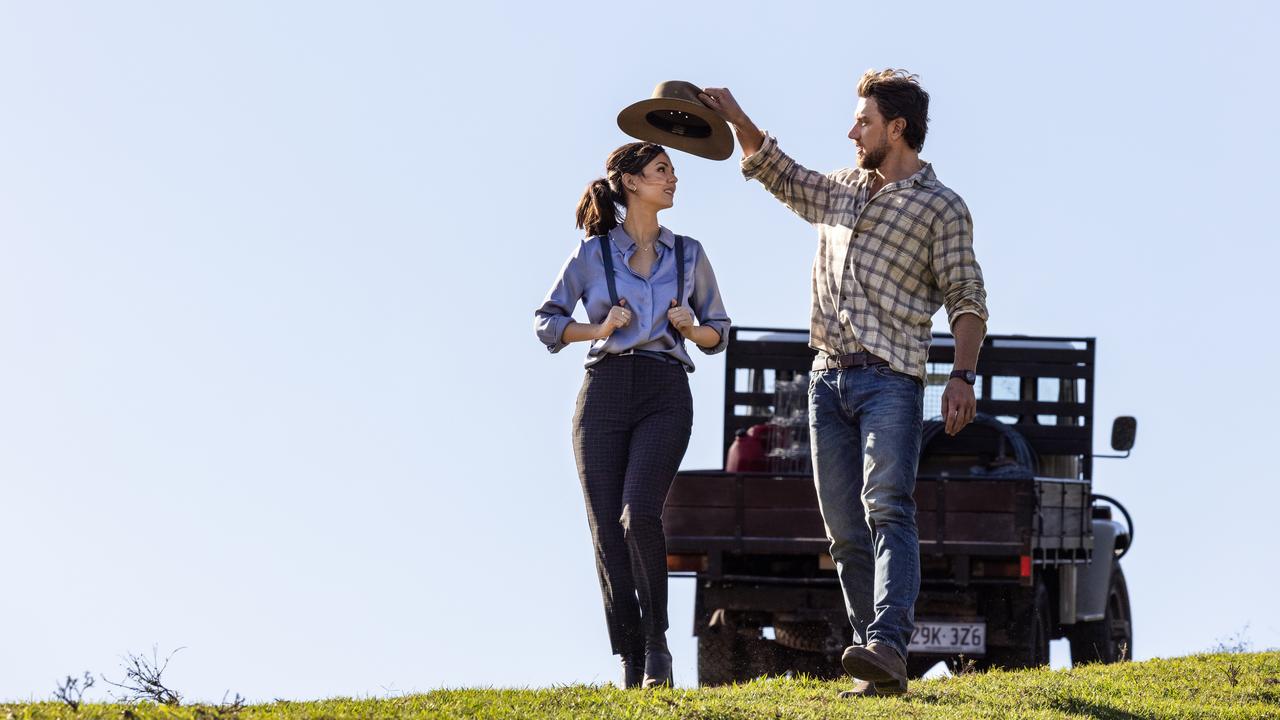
[606, 254]
[679, 286]
[679, 270]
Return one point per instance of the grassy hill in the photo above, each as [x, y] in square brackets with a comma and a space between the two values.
[1200, 686]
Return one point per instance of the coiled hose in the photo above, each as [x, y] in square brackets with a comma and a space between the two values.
[1023, 455]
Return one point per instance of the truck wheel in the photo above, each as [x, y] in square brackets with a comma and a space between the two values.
[1110, 639]
[807, 636]
[763, 658]
[1033, 630]
[720, 656]
[821, 666]
[727, 656]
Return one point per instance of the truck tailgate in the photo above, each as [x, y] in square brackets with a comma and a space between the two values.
[767, 513]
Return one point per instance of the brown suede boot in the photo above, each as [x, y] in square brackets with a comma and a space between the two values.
[862, 688]
[875, 663]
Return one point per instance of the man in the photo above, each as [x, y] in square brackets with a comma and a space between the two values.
[894, 245]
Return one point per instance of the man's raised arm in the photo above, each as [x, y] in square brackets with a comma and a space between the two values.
[726, 106]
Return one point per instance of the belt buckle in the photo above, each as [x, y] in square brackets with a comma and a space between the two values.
[866, 359]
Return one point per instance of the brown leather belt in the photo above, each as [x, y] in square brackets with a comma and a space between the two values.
[844, 362]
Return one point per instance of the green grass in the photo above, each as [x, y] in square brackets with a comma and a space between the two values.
[1198, 686]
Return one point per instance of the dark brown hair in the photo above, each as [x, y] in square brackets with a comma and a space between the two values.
[598, 208]
[898, 95]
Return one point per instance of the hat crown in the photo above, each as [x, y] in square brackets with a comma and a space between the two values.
[677, 90]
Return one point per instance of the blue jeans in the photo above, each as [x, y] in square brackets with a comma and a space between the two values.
[865, 426]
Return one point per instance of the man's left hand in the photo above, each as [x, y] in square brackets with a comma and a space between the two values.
[958, 405]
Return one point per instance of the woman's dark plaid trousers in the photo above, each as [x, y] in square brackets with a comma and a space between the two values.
[630, 431]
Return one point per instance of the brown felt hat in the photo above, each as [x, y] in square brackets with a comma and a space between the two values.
[674, 117]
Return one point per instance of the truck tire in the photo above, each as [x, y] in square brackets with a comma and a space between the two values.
[720, 656]
[726, 656]
[1033, 629]
[818, 665]
[804, 636]
[1110, 639]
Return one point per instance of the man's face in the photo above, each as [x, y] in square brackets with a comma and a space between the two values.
[869, 134]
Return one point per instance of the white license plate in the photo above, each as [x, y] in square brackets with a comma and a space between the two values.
[949, 637]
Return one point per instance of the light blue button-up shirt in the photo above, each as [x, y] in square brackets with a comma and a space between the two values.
[582, 278]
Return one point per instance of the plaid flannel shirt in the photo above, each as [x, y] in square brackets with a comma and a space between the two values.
[885, 263]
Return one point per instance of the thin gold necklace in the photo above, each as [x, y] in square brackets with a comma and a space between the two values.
[648, 247]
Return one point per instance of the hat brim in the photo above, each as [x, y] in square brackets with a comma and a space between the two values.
[717, 145]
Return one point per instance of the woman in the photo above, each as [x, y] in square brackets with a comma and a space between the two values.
[634, 412]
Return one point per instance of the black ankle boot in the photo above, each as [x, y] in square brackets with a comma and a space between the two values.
[633, 670]
[657, 664]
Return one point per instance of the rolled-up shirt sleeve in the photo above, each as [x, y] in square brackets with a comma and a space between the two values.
[955, 265]
[707, 304]
[807, 192]
[556, 312]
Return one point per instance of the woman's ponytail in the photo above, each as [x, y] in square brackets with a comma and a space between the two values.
[597, 213]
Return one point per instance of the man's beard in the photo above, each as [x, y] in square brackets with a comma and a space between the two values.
[872, 159]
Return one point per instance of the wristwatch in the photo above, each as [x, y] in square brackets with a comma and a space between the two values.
[968, 376]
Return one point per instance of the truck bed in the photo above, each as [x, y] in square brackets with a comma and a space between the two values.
[1046, 519]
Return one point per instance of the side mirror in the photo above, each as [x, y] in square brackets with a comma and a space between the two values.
[1123, 432]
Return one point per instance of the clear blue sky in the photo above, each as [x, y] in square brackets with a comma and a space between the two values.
[269, 386]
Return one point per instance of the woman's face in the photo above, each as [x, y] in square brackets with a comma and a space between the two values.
[655, 185]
